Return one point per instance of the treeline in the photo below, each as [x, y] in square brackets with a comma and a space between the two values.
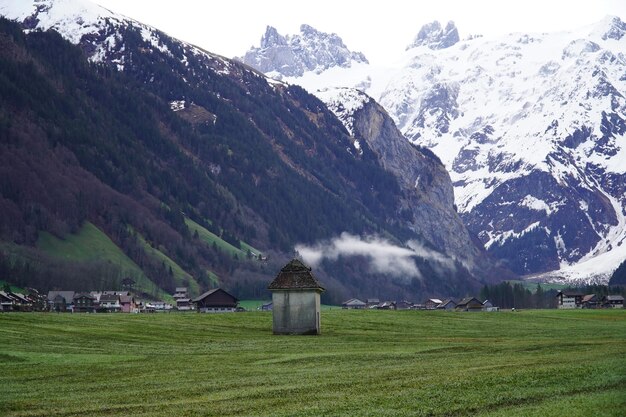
[507, 295]
[619, 276]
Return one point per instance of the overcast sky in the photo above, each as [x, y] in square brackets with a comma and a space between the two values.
[380, 29]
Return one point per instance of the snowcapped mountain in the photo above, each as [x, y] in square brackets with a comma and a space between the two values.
[531, 128]
[311, 50]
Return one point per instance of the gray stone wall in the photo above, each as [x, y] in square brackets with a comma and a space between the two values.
[296, 312]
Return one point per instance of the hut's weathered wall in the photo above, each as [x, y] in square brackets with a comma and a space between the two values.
[296, 312]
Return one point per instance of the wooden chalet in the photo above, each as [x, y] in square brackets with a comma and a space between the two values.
[403, 305]
[590, 301]
[181, 292]
[110, 302]
[353, 304]
[216, 301]
[128, 304]
[569, 299]
[60, 300]
[469, 304]
[84, 303]
[6, 301]
[612, 301]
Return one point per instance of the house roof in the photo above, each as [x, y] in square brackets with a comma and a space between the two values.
[125, 299]
[434, 300]
[68, 296]
[467, 300]
[83, 294]
[208, 293]
[353, 302]
[6, 296]
[446, 302]
[181, 289]
[107, 298]
[615, 297]
[589, 297]
[20, 297]
[295, 276]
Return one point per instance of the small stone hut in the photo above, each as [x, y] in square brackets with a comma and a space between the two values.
[296, 300]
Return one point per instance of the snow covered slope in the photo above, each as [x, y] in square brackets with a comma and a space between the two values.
[102, 33]
[531, 128]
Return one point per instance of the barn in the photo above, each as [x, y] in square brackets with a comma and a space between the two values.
[216, 301]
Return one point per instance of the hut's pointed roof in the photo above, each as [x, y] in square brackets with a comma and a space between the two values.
[295, 275]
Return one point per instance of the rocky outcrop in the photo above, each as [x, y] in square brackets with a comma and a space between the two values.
[434, 36]
[427, 206]
[310, 50]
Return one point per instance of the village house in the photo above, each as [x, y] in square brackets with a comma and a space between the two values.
[216, 301]
[488, 306]
[589, 301]
[110, 302]
[372, 302]
[387, 305]
[15, 301]
[84, 303]
[61, 300]
[128, 304]
[432, 303]
[183, 301]
[296, 300]
[469, 304]
[569, 299]
[353, 304]
[6, 302]
[181, 292]
[403, 305]
[613, 301]
[447, 305]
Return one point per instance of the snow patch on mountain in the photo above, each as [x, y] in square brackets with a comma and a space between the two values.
[72, 18]
[343, 102]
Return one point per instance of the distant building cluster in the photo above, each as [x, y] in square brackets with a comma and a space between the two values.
[465, 304]
[213, 301]
[573, 299]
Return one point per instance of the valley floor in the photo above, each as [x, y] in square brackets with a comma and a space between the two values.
[366, 363]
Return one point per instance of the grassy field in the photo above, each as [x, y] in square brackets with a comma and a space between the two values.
[366, 363]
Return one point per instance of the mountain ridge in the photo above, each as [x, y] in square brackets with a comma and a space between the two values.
[536, 159]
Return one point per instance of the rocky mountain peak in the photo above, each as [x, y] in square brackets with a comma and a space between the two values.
[611, 27]
[272, 38]
[435, 37]
[293, 55]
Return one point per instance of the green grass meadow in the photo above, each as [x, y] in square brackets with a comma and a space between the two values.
[366, 363]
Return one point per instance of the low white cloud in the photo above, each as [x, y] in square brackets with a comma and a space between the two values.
[384, 257]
